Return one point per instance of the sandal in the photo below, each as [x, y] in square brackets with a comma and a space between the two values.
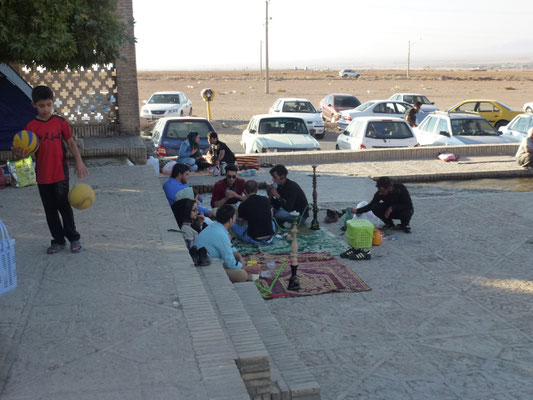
[55, 248]
[75, 246]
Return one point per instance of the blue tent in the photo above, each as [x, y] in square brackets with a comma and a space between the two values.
[15, 105]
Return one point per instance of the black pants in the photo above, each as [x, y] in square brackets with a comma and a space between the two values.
[404, 216]
[55, 201]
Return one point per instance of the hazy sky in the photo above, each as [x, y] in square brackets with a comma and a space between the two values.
[218, 34]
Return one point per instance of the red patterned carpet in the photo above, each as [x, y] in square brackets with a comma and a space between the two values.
[318, 273]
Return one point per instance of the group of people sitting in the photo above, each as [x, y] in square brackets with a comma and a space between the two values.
[239, 209]
[254, 218]
[218, 156]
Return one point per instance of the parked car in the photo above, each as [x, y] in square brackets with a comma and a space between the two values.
[334, 103]
[528, 107]
[519, 126]
[497, 113]
[344, 73]
[166, 104]
[411, 98]
[169, 133]
[304, 109]
[376, 133]
[280, 132]
[373, 108]
[454, 128]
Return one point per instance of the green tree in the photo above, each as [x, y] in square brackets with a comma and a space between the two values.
[59, 34]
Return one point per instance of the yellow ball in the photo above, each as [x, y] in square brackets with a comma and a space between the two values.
[81, 196]
[27, 140]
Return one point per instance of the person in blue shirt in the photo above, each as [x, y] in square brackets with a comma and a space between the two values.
[190, 151]
[215, 238]
[177, 182]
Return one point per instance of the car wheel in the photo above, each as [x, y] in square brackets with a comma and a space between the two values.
[529, 110]
[501, 123]
[317, 137]
[190, 112]
[344, 76]
[337, 147]
[332, 120]
[181, 113]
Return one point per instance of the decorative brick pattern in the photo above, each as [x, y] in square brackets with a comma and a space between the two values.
[82, 97]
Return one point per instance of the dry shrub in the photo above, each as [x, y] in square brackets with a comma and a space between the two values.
[509, 88]
[280, 90]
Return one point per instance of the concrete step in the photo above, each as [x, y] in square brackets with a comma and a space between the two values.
[289, 373]
[250, 355]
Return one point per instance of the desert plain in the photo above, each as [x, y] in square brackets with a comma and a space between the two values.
[240, 94]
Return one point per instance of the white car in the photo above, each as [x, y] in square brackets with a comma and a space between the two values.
[280, 132]
[376, 133]
[453, 128]
[377, 108]
[166, 104]
[304, 109]
[427, 106]
[344, 73]
[518, 126]
[528, 107]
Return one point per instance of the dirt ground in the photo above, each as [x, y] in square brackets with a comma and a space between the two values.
[241, 94]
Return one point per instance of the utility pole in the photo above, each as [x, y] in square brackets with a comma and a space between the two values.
[266, 48]
[261, 59]
[408, 57]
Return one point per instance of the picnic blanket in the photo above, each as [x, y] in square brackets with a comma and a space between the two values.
[308, 240]
[318, 272]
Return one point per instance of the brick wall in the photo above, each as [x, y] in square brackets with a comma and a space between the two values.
[127, 94]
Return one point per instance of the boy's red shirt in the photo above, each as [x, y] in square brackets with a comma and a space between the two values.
[51, 161]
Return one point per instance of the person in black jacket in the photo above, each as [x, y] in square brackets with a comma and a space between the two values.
[286, 196]
[391, 201]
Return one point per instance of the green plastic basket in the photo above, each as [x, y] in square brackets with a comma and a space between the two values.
[360, 233]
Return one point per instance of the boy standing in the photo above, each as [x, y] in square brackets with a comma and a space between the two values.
[54, 132]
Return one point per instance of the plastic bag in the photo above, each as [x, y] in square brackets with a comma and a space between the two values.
[22, 172]
[369, 216]
[448, 157]
[167, 169]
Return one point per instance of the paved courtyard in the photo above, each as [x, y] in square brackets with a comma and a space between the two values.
[450, 314]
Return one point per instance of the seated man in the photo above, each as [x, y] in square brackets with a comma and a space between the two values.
[524, 155]
[286, 196]
[219, 152]
[228, 190]
[391, 201]
[178, 182]
[257, 212]
[215, 238]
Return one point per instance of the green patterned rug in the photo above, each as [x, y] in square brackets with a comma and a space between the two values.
[308, 240]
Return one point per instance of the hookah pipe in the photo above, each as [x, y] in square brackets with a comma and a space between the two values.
[314, 223]
[294, 282]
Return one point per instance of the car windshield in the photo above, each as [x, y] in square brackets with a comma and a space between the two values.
[388, 130]
[412, 99]
[164, 99]
[364, 106]
[180, 129]
[298, 106]
[282, 125]
[472, 127]
[346, 101]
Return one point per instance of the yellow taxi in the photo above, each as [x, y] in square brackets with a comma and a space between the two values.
[497, 113]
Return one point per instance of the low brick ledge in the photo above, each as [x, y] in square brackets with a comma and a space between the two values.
[114, 146]
[250, 355]
[291, 378]
[410, 153]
